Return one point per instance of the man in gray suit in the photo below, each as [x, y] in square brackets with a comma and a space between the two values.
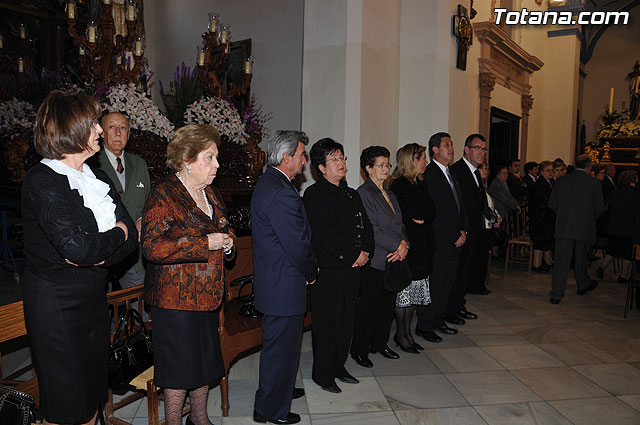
[130, 176]
[577, 201]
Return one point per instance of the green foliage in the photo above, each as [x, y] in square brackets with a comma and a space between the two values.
[184, 90]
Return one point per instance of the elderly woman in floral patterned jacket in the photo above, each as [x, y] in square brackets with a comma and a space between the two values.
[186, 240]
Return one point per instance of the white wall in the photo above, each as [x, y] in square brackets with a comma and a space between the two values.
[613, 58]
[275, 27]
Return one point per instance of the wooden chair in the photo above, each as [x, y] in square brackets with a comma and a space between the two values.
[634, 282]
[519, 247]
[12, 329]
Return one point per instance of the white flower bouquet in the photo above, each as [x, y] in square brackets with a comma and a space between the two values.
[220, 114]
[16, 115]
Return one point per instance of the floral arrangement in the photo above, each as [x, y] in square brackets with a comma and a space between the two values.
[16, 116]
[616, 124]
[184, 90]
[219, 113]
[254, 118]
[142, 113]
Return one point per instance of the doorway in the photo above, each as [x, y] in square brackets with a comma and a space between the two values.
[504, 138]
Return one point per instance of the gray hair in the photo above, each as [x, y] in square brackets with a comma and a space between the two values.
[583, 162]
[280, 142]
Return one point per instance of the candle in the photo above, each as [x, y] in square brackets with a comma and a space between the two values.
[138, 48]
[20, 65]
[71, 10]
[213, 22]
[81, 50]
[200, 57]
[224, 34]
[247, 66]
[106, 2]
[611, 101]
[91, 33]
[131, 12]
[227, 48]
[23, 32]
[1, 41]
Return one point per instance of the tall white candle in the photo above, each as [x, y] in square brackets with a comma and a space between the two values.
[611, 101]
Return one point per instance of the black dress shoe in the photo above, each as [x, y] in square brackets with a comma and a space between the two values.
[589, 288]
[190, 422]
[430, 336]
[539, 269]
[454, 320]
[411, 349]
[466, 314]
[600, 273]
[297, 393]
[446, 330]
[362, 361]
[418, 346]
[347, 379]
[387, 353]
[554, 301]
[292, 418]
[332, 388]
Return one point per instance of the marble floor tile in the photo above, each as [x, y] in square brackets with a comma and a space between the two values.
[248, 420]
[247, 367]
[524, 356]
[631, 400]
[486, 340]
[306, 342]
[616, 378]
[492, 302]
[466, 359]
[366, 418]
[517, 317]
[241, 396]
[492, 388]
[448, 416]
[597, 411]
[521, 414]
[363, 397]
[627, 350]
[559, 383]
[420, 392]
[590, 331]
[483, 320]
[486, 330]
[407, 364]
[577, 353]
[448, 341]
[543, 333]
[130, 410]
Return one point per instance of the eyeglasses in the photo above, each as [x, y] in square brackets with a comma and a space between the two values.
[480, 148]
[337, 159]
[383, 166]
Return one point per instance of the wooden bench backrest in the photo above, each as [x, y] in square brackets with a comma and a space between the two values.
[12, 320]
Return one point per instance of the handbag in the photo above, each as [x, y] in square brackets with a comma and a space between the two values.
[248, 308]
[397, 276]
[16, 407]
[132, 355]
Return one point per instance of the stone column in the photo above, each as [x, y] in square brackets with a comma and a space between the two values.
[527, 103]
[487, 83]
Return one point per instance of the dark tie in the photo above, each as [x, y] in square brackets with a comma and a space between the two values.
[453, 187]
[120, 167]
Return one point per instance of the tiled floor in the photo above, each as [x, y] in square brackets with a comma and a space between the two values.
[524, 361]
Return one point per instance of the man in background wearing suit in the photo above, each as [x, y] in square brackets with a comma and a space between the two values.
[449, 232]
[474, 200]
[516, 185]
[283, 266]
[130, 176]
[608, 183]
[577, 201]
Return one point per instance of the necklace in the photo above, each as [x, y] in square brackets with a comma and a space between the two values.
[209, 210]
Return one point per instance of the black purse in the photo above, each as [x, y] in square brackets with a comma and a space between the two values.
[16, 407]
[397, 276]
[132, 355]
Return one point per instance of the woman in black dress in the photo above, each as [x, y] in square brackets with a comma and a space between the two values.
[542, 219]
[75, 226]
[342, 239]
[418, 213]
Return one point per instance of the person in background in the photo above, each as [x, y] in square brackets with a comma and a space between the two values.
[500, 192]
[531, 173]
[620, 226]
[342, 239]
[559, 169]
[186, 239]
[418, 213]
[492, 222]
[375, 309]
[75, 226]
[609, 182]
[283, 264]
[542, 219]
[516, 185]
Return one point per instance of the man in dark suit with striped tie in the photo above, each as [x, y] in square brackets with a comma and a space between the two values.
[283, 266]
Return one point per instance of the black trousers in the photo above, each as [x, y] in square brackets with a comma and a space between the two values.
[333, 302]
[564, 250]
[441, 282]
[279, 357]
[479, 276]
[468, 260]
[374, 313]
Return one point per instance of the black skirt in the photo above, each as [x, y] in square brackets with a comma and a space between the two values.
[186, 348]
[620, 246]
[68, 327]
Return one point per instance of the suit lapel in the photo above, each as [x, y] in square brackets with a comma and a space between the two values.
[128, 172]
[106, 166]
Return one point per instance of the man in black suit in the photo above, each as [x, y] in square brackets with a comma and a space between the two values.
[449, 231]
[608, 183]
[577, 201]
[283, 264]
[514, 181]
[474, 200]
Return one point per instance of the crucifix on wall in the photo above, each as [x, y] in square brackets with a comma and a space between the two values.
[464, 36]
